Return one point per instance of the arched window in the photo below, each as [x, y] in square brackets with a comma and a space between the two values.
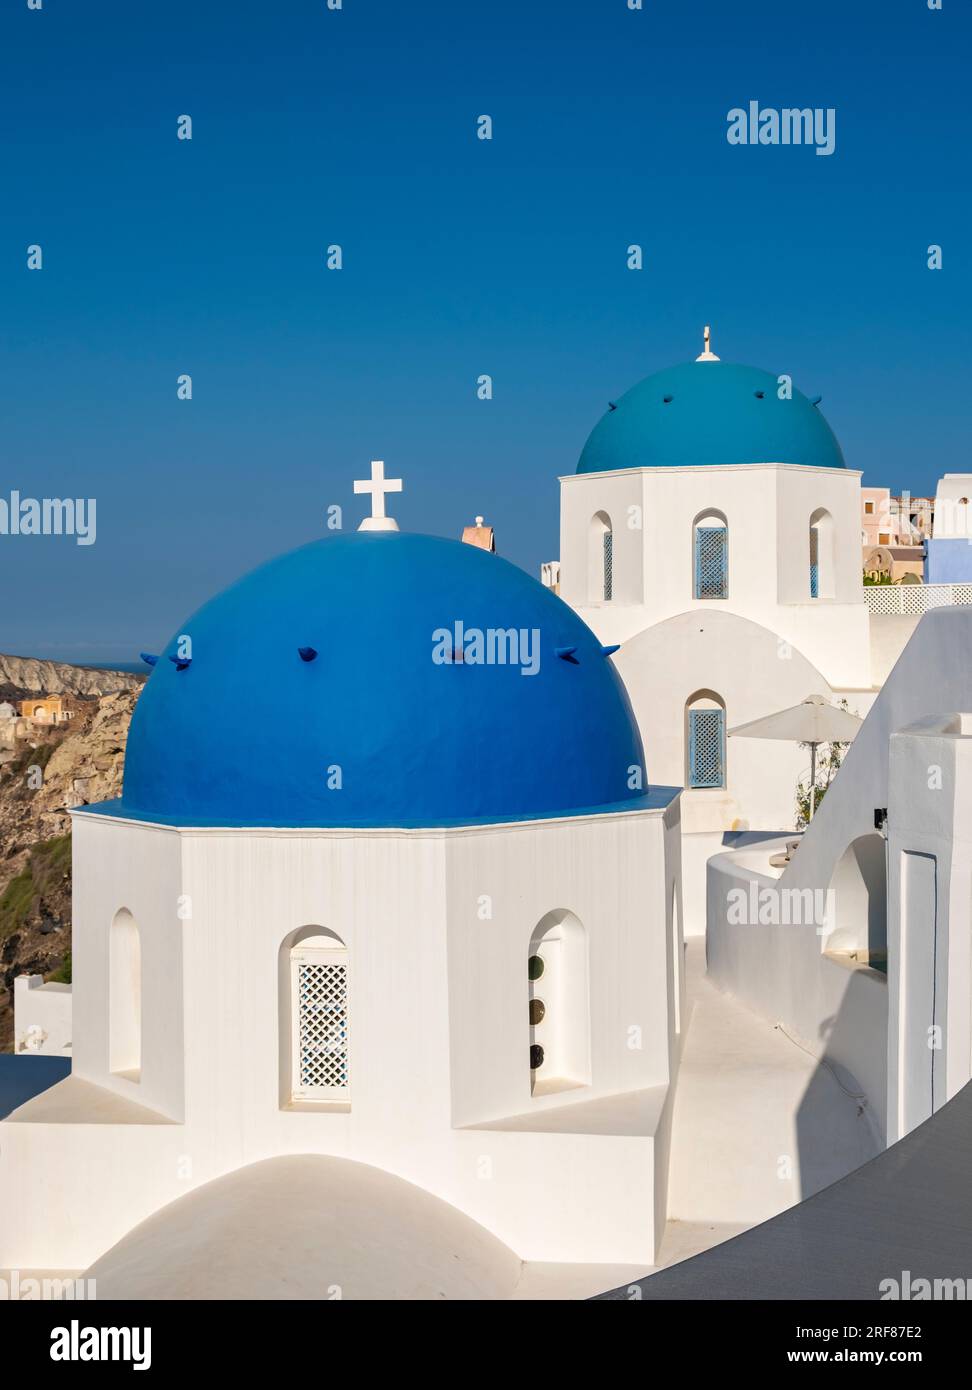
[600, 559]
[559, 1005]
[821, 554]
[705, 737]
[315, 1052]
[710, 548]
[124, 996]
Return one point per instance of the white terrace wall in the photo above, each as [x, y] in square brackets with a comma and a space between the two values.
[833, 1010]
[783, 972]
[42, 1017]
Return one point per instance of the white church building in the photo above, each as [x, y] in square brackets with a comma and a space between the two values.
[434, 932]
[712, 530]
[448, 993]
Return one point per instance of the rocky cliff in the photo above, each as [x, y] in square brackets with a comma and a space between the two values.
[55, 769]
[24, 676]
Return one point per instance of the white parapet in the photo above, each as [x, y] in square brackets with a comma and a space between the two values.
[911, 600]
[929, 923]
[42, 1017]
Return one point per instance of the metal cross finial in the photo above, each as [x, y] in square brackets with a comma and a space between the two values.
[707, 355]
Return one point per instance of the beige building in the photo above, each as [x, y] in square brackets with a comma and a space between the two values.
[49, 709]
[878, 527]
[900, 563]
[917, 515]
[893, 532]
[895, 521]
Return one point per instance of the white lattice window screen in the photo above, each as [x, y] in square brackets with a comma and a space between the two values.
[608, 564]
[711, 562]
[321, 1056]
[706, 739]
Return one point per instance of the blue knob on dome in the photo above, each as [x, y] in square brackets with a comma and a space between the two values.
[609, 651]
[306, 653]
[567, 654]
[181, 662]
[148, 658]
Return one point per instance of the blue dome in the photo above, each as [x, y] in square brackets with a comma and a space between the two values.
[248, 732]
[709, 412]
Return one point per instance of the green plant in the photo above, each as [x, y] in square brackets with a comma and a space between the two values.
[62, 975]
[50, 860]
[829, 758]
[15, 903]
[48, 865]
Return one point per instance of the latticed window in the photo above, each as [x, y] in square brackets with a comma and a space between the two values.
[706, 736]
[711, 562]
[814, 564]
[608, 564]
[321, 1067]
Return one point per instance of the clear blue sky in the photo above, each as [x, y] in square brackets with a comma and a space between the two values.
[462, 257]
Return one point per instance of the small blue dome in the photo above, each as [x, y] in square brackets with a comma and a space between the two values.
[323, 660]
[709, 413]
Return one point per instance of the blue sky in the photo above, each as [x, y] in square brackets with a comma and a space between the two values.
[461, 257]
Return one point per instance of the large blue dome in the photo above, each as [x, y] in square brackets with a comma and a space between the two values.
[709, 412]
[248, 733]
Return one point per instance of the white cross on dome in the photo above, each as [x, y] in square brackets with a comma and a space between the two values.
[378, 487]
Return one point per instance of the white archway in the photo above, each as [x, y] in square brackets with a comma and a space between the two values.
[857, 902]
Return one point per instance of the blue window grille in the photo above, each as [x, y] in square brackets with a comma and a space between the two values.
[608, 564]
[711, 562]
[814, 565]
[707, 745]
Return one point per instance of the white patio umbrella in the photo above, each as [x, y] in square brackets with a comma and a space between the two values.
[814, 720]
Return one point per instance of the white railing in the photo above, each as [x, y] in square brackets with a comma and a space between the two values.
[914, 599]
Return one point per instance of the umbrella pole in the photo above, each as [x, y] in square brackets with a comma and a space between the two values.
[813, 778]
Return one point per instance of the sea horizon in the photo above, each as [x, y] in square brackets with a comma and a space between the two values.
[127, 665]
